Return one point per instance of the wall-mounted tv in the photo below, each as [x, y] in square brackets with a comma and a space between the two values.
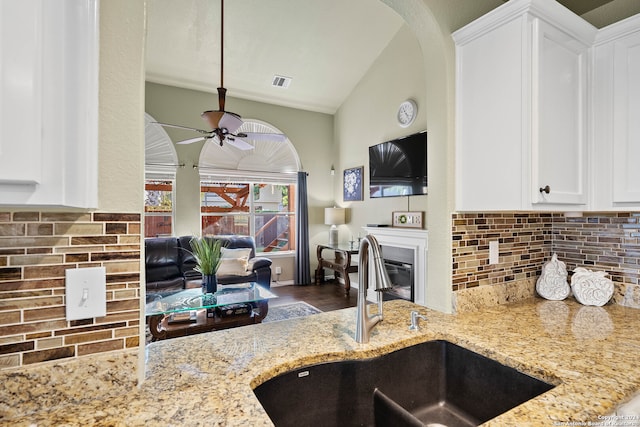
[399, 167]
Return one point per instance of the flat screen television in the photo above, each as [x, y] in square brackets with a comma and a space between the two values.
[399, 167]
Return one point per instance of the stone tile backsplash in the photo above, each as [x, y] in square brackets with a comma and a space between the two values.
[607, 241]
[36, 248]
[524, 243]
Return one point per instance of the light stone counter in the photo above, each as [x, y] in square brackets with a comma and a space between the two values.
[590, 353]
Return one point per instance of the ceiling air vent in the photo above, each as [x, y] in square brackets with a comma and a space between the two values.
[281, 81]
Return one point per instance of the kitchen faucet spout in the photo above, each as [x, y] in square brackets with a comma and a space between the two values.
[365, 323]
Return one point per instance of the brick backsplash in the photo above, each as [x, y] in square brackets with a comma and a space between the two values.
[524, 243]
[36, 248]
[608, 242]
[600, 241]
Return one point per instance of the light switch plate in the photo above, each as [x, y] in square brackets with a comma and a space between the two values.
[86, 293]
[494, 252]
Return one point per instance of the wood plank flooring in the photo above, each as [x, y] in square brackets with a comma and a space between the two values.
[326, 297]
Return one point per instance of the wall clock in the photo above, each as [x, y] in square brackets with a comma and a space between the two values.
[407, 113]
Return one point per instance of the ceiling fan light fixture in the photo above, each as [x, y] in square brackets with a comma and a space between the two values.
[227, 121]
[230, 121]
[212, 117]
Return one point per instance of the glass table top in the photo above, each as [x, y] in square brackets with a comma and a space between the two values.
[194, 299]
[351, 247]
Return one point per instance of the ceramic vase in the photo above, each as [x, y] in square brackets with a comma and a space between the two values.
[591, 287]
[210, 283]
[552, 283]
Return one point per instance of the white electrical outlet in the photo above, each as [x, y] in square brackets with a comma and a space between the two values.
[86, 293]
[494, 251]
[278, 270]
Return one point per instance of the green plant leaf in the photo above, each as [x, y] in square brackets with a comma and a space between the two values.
[207, 252]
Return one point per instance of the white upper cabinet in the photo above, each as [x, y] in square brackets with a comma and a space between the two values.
[521, 108]
[558, 131]
[489, 118]
[616, 116]
[49, 55]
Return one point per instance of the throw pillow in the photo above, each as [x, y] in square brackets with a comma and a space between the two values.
[232, 267]
[234, 261]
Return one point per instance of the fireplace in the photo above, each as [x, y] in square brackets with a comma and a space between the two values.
[399, 264]
[405, 253]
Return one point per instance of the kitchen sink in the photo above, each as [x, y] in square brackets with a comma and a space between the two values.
[435, 383]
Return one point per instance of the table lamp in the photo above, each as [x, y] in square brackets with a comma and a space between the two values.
[333, 217]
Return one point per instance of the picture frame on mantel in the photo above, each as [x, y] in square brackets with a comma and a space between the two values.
[352, 184]
[408, 219]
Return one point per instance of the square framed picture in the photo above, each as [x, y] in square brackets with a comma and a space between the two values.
[352, 180]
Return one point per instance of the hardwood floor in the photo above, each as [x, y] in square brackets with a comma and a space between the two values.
[326, 297]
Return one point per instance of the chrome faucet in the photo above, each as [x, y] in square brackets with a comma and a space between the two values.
[415, 319]
[364, 321]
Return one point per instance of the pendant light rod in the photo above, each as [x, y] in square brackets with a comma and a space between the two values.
[222, 92]
[221, 43]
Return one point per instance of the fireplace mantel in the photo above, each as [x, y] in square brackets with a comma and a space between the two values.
[416, 239]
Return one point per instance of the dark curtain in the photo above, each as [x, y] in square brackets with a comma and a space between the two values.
[303, 266]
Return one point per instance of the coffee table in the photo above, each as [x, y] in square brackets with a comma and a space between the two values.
[191, 311]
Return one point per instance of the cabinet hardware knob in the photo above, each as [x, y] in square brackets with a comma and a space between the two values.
[545, 189]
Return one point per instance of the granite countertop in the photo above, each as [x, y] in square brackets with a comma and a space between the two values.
[589, 353]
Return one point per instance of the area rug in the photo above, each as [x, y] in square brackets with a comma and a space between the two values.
[290, 311]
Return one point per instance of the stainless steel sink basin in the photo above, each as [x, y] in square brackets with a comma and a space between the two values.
[435, 383]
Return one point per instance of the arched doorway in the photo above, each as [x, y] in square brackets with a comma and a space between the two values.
[430, 23]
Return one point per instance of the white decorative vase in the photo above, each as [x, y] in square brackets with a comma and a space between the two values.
[552, 283]
[591, 287]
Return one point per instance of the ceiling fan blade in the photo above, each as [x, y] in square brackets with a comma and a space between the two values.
[257, 136]
[192, 140]
[238, 143]
[181, 127]
[230, 121]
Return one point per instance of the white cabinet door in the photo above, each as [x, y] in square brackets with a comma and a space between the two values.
[559, 108]
[20, 93]
[489, 120]
[616, 117]
[49, 56]
[521, 105]
[626, 119]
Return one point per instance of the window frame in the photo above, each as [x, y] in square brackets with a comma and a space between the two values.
[251, 203]
[161, 213]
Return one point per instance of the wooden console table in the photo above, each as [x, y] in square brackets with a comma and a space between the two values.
[340, 263]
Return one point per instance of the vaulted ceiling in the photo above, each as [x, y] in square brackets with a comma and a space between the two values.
[325, 46]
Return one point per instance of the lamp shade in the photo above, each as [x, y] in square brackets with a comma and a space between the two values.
[334, 216]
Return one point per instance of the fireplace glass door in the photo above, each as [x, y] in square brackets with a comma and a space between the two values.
[399, 265]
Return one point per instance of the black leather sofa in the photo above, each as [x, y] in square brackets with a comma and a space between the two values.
[170, 267]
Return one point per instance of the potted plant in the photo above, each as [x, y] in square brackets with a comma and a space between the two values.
[207, 253]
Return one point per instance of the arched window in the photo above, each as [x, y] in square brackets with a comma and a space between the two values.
[161, 161]
[251, 192]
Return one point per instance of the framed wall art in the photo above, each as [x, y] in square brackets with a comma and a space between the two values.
[353, 183]
[414, 219]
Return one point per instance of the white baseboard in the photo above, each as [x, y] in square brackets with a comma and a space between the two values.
[275, 283]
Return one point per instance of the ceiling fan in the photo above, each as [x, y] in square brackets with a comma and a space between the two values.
[224, 124]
